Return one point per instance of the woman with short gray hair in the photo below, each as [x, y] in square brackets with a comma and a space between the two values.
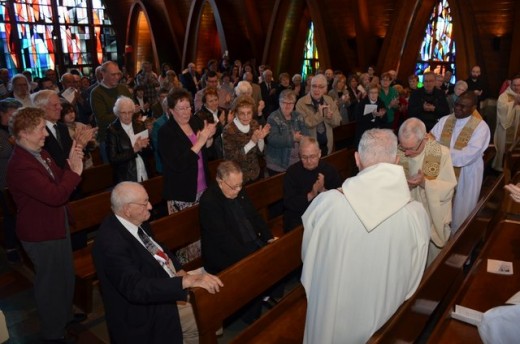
[287, 129]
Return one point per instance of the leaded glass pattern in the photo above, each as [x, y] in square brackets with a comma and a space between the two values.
[311, 61]
[437, 51]
[79, 29]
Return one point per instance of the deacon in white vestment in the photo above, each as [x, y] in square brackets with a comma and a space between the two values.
[431, 179]
[467, 136]
[508, 120]
[364, 247]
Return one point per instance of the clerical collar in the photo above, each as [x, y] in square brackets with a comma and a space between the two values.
[243, 128]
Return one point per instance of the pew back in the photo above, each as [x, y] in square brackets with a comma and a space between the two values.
[244, 281]
[443, 277]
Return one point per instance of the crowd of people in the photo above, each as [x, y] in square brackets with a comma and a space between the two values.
[420, 171]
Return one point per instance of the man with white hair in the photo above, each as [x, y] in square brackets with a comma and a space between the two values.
[320, 113]
[144, 287]
[430, 176]
[364, 247]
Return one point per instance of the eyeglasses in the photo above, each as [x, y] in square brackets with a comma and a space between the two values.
[415, 149]
[310, 157]
[234, 188]
[288, 103]
[318, 86]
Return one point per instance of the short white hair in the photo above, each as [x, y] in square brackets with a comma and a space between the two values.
[122, 100]
[122, 194]
[243, 88]
[376, 146]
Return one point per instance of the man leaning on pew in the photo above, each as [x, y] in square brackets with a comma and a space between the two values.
[364, 247]
[143, 286]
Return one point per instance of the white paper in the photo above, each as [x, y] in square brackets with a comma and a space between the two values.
[514, 300]
[467, 315]
[143, 134]
[369, 108]
[499, 267]
[69, 94]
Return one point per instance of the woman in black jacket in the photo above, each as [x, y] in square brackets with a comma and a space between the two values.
[127, 143]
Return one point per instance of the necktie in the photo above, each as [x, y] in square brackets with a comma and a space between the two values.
[156, 251]
[58, 136]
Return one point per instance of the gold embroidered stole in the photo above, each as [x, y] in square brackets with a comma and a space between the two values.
[464, 136]
[431, 162]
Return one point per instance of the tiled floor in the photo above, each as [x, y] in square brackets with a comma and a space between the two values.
[17, 303]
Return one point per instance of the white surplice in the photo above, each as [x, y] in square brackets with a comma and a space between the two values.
[508, 119]
[470, 160]
[364, 252]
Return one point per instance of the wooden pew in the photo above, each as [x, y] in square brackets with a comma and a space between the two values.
[176, 230]
[482, 290]
[442, 279]
[245, 281]
[343, 160]
[96, 179]
[344, 135]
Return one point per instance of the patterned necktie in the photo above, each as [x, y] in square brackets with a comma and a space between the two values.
[156, 251]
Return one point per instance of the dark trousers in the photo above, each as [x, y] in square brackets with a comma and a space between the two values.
[10, 239]
[53, 284]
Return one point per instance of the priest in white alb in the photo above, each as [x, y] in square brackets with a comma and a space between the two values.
[508, 121]
[429, 172]
[467, 136]
[364, 247]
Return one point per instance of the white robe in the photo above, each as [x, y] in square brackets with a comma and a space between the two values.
[364, 252]
[436, 197]
[472, 167]
[508, 118]
[499, 325]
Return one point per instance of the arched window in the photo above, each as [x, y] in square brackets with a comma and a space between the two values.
[311, 61]
[37, 35]
[437, 51]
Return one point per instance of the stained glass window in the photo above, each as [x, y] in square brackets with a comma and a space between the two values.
[310, 54]
[437, 51]
[44, 34]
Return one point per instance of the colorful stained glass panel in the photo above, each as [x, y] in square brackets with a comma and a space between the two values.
[437, 51]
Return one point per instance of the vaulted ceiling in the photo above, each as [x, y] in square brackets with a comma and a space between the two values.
[350, 34]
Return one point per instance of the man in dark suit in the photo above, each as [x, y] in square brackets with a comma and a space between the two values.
[190, 79]
[143, 286]
[58, 142]
[268, 89]
[429, 103]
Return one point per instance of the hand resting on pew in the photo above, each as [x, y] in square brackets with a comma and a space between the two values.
[207, 281]
[514, 191]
